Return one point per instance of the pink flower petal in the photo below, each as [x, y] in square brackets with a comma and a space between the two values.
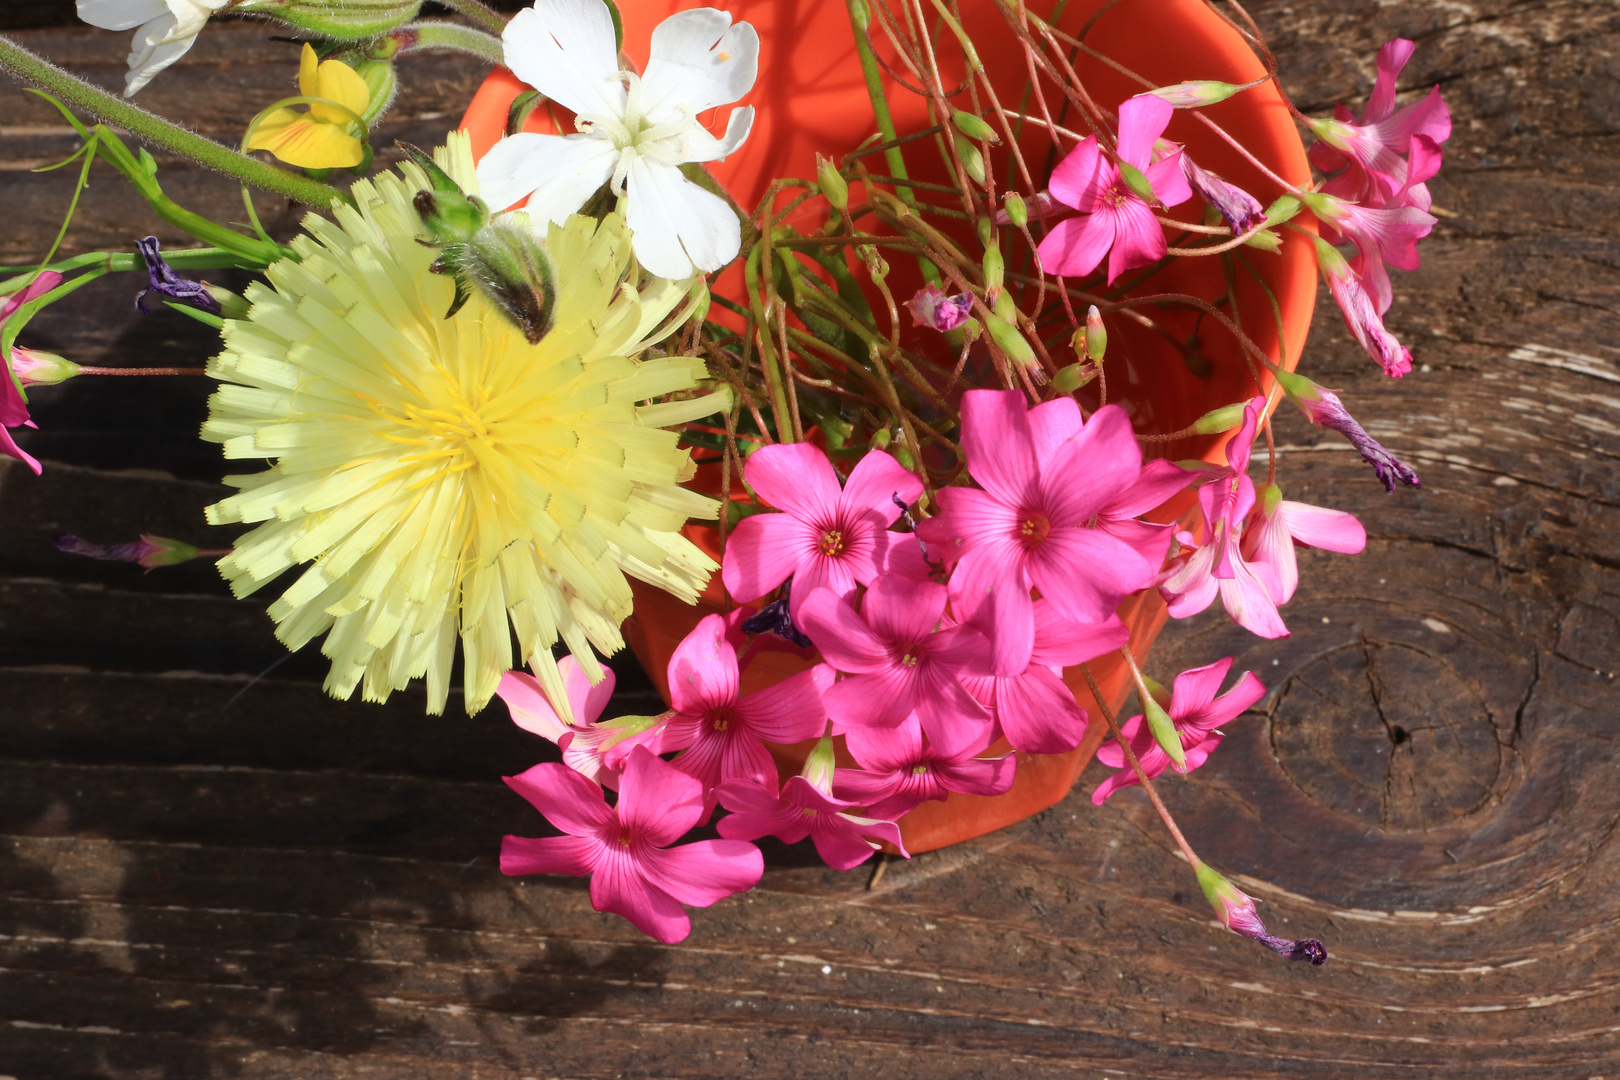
[657, 802]
[999, 447]
[1168, 178]
[528, 705]
[795, 477]
[1319, 527]
[1157, 482]
[1061, 642]
[899, 554]
[835, 575]
[1090, 471]
[839, 841]
[872, 485]
[1079, 177]
[1076, 246]
[763, 551]
[705, 872]
[618, 886]
[1139, 238]
[1196, 687]
[791, 710]
[572, 855]
[901, 611]
[1248, 599]
[568, 800]
[842, 635]
[703, 670]
[1142, 119]
[1085, 573]
[879, 700]
[978, 776]
[1051, 424]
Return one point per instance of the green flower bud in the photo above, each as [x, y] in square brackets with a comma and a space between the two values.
[1096, 336]
[975, 127]
[382, 81]
[995, 268]
[819, 766]
[1282, 210]
[1265, 240]
[1072, 377]
[1222, 419]
[833, 185]
[1137, 181]
[1164, 730]
[1017, 211]
[1010, 341]
[510, 267]
[971, 160]
[1191, 95]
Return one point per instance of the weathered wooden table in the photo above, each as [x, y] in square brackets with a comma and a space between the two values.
[208, 869]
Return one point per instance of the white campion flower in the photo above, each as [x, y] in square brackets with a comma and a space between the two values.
[166, 29]
[634, 131]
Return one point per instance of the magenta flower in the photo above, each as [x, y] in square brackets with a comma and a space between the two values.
[900, 770]
[1118, 221]
[625, 850]
[1029, 526]
[1036, 711]
[1370, 148]
[825, 538]
[1388, 235]
[13, 409]
[1277, 525]
[583, 741]
[1360, 312]
[1240, 210]
[899, 659]
[841, 838]
[932, 309]
[1196, 713]
[723, 736]
[1199, 573]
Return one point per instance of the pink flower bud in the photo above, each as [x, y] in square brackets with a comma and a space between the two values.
[933, 309]
[1237, 913]
[36, 367]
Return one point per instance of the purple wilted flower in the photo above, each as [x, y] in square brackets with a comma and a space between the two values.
[1236, 911]
[165, 282]
[1241, 210]
[1323, 408]
[933, 309]
[149, 551]
[776, 618]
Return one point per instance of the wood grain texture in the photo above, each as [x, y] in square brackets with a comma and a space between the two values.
[208, 869]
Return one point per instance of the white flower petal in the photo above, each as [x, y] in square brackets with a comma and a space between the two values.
[120, 14]
[561, 171]
[701, 146]
[155, 47]
[566, 50]
[677, 225]
[697, 63]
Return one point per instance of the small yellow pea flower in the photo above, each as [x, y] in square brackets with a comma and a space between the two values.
[323, 137]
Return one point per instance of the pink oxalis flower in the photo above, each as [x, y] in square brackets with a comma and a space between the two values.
[1036, 711]
[825, 538]
[1369, 149]
[1277, 525]
[625, 849]
[802, 809]
[1360, 311]
[1029, 526]
[583, 740]
[900, 769]
[1196, 713]
[899, 658]
[1215, 565]
[13, 409]
[721, 734]
[1117, 219]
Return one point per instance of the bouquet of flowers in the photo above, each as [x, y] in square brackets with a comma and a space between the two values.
[885, 379]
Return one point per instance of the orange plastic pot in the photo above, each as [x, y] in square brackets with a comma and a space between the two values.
[811, 97]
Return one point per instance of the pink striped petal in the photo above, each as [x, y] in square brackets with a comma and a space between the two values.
[618, 886]
[566, 799]
[795, 477]
[763, 551]
[575, 856]
[1076, 246]
[706, 872]
[703, 671]
[872, 485]
[791, 710]
[657, 802]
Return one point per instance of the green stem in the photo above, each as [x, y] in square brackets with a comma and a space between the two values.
[434, 34]
[154, 129]
[204, 258]
[861, 18]
[487, 17]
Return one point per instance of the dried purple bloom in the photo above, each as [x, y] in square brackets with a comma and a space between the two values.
[1323, 408]
[1241, 210]
[1237, 913]
[149, 551]
[165, 282]
[775, 618]
[933, 309]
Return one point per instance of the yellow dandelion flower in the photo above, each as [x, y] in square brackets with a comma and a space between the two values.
[322, 138]
[446, 478]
